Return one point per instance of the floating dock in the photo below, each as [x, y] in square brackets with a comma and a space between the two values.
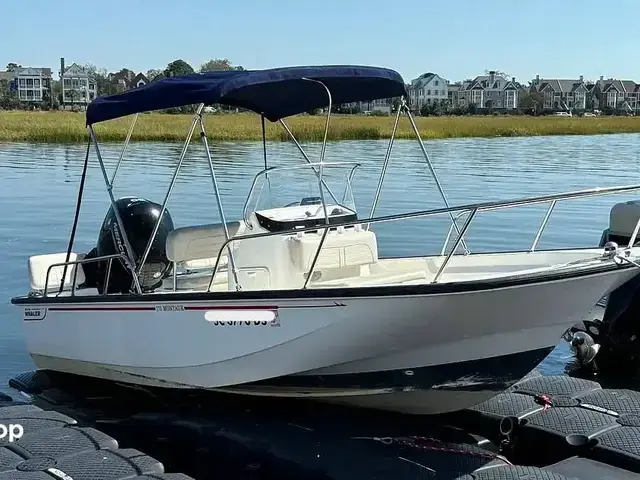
[543, 428]
[53, 446]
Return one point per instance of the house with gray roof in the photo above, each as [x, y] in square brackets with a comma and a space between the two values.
[78, 85]
[561, 94]
[31, 84]
[493, 91]
[125, 79]
[428, 88]
[618, 95]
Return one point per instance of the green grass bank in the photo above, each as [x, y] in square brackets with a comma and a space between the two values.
[67, 127]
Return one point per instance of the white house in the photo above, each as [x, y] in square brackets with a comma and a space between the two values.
[78, 85]
[382, 105]
[427, 88]
[32, 83]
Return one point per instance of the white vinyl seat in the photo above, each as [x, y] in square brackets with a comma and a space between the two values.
[39, 264]
[196, 248]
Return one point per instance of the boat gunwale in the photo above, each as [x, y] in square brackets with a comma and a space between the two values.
[425, 289]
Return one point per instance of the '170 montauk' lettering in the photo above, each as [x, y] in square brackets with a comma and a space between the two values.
[169, 308]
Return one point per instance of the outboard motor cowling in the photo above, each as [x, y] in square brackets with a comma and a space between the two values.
[139, 217]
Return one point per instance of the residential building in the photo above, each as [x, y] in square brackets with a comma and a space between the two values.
[592, 102]
[126, 79]
[428, 88]
[492, 91]
[31, 84]
[382, 105]
[78, 85]
[139, 80]
[120, 81]
[617, 95]
[561, 94]
[456, 99]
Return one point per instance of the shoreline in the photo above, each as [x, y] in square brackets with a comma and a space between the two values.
[69, 127]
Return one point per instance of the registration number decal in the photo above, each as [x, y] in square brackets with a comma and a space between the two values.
[243, 318]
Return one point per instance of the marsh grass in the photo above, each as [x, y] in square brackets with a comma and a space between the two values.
[68, 127]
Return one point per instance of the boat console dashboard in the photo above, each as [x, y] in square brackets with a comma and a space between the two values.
[303, 215]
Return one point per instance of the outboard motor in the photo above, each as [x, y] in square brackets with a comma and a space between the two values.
[139, 217]
[614, 339]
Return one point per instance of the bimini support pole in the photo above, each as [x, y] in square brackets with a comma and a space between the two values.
[385, 164]
[320, 185]
[322, 151]
[124, 148]
[404, 106]
[264, 155]
[216, 191]
[129, 257]
[306, 157]
[171, 185]
[264, 141]
[75, 220]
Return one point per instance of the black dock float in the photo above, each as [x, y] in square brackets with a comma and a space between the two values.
[550, 419]
[210, 436]
[53, 446]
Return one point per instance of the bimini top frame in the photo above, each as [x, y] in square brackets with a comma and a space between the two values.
[274, 94]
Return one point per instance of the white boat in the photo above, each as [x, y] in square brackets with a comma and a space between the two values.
[294, 300]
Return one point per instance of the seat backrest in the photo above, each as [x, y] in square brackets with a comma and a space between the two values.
[39, 264]
[200, 242]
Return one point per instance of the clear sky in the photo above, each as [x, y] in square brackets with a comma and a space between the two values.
[457, 39]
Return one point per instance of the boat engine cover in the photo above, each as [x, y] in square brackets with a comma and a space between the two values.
[139, 217]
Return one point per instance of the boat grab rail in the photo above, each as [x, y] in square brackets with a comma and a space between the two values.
[265, 171]
[472, 208]
[449, 232]
[82, 262]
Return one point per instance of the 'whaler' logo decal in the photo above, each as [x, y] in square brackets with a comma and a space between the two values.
[31, 313]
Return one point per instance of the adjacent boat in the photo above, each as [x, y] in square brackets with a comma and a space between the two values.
[294, 298]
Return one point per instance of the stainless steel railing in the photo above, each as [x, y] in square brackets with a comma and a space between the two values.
[245, 208]
[472, 209]
[109, 259]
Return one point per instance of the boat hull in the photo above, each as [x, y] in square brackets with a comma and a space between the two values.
[414, 353]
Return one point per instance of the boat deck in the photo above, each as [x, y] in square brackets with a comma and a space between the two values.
[567, 428]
